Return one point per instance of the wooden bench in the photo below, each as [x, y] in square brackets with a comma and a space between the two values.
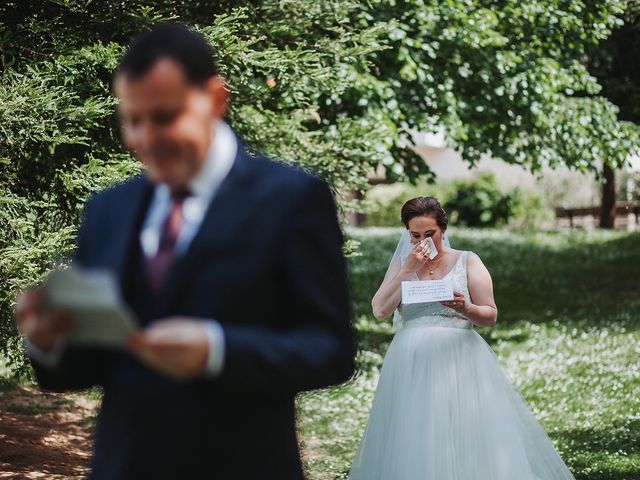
[627, 216]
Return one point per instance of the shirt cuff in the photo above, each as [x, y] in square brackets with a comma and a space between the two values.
[215, 357]
[49, 359]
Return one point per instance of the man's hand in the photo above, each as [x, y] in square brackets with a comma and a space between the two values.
[176, 346]
[45, 329]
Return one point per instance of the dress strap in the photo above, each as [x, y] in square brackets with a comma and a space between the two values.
[463, 260]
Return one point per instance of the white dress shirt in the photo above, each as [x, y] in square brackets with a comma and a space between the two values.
[202, 188]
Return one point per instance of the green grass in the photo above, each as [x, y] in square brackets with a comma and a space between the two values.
[567, 336]
[7, 379]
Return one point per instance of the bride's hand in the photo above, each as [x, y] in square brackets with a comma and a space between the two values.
[459, 303]
[417, 258]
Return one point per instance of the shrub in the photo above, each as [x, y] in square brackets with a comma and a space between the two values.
[532, 212]
[480, 203]
[477, 202]
[384, 201]
[59, 136]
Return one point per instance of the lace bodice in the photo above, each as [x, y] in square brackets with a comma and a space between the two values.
[435, 314]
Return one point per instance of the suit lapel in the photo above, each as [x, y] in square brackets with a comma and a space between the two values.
[218, 224]
[131, 210]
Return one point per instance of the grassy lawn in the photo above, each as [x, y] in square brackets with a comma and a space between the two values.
[567, 336]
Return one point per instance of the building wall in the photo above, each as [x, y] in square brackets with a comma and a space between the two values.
[561, 187]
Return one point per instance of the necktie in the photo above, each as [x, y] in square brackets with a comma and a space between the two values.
[158, 266]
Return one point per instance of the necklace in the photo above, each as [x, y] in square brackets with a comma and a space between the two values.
[433, 269]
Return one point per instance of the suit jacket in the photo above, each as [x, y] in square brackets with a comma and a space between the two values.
[267, 264]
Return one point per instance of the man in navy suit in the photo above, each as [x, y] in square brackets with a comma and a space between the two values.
[232, 264]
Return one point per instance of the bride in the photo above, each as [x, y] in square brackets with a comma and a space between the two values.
[444, 409]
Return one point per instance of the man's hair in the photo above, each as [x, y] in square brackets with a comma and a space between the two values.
[172, 41]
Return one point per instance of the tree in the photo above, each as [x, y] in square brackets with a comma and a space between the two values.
[504, 77]
[614, 63]
[59, 136]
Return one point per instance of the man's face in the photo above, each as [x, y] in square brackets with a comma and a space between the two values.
[167, 122]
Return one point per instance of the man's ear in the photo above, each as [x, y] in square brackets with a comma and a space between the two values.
[218, 91]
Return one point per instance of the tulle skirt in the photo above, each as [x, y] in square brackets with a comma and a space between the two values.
[444, 410]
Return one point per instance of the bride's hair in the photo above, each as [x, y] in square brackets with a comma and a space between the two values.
[419, 206]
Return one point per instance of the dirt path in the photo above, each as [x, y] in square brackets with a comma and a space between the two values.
[45, 435]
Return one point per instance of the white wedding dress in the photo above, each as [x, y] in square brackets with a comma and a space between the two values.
[444, 409]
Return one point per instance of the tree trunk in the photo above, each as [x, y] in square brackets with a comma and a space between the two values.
[608, 206]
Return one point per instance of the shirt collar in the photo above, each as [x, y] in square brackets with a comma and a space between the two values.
[218, 162]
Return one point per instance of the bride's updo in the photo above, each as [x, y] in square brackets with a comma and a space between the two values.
[428, 206]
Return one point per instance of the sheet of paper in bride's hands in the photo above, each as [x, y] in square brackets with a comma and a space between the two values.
[92, 300]
[427, 291]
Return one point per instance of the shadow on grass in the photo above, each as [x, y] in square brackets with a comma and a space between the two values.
[624, 439]
[609, 475]
[372, 341]
[594, 444]
[496, 336]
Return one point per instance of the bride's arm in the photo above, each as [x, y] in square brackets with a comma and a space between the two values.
[482, 311]
[388, 296]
